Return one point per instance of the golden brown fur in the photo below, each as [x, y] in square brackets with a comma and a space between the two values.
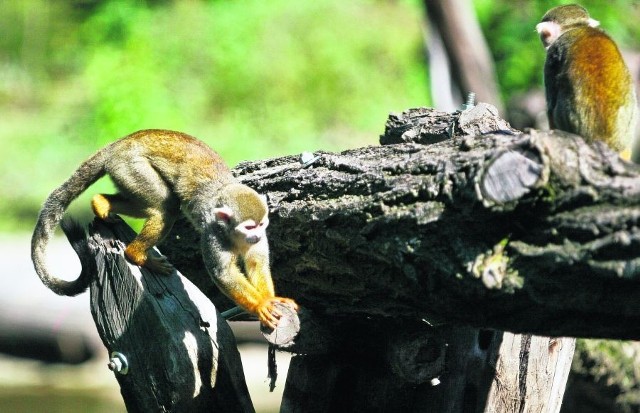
[158, 174]
[589, 89]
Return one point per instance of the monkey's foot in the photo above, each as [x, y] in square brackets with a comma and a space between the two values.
[110, 219]
[101, 207]
[268, 313]
[158, 264]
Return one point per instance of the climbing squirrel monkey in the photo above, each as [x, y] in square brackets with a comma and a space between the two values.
[158, 173]
[589, 89]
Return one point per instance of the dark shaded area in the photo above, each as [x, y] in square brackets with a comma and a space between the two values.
[180, 354]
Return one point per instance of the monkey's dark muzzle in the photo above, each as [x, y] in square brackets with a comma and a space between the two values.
[253, 239]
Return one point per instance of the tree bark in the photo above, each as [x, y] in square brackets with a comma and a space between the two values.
[481, 226]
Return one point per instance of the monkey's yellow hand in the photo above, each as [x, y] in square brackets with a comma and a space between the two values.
[268, 313]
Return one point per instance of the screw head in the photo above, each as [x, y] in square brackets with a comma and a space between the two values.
[118, 363]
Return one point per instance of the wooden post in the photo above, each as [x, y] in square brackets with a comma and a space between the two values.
[171, 350]
[530, 374]
[406, 368]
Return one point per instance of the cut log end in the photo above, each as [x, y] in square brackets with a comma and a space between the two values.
[510, 176]
[287, 330]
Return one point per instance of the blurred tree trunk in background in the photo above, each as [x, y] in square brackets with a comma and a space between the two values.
[454, 24]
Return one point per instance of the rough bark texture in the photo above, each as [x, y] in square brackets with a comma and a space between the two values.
[458, 220]
[531, 232]
[181, 354]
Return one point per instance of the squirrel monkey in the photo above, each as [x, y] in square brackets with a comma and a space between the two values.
[158, 173]
[588, 86]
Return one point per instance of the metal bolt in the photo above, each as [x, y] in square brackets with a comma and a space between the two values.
[471, 101]
[118, 363]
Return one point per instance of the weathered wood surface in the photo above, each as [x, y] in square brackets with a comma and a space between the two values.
[461, 370]
[534, 232]
[479, 225]
[530, 374]
[181, 354]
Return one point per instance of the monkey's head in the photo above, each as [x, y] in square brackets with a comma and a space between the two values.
[244, 215]
[560, 19]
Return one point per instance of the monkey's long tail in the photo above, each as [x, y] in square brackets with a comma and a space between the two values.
[50, 216]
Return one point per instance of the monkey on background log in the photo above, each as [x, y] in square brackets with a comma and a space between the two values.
[159, 173]
[589, 89]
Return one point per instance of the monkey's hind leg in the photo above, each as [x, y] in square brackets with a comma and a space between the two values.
[143, 193]
[101, 207]
[105, 205]
[153, 231]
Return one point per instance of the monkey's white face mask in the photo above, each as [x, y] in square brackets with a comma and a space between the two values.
[251, 231]
[248, 231]
[549, 31]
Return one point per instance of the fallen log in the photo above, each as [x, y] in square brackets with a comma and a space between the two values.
[532, 232]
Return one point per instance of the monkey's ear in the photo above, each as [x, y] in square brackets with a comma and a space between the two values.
[223, 213]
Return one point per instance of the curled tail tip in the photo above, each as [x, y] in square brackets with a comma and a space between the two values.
[77, 237]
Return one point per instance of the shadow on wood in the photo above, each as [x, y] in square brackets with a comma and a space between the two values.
[175, 353]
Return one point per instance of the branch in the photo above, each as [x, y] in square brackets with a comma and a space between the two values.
[531, 232]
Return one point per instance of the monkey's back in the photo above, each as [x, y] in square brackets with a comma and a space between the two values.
[589, 88]
[184, 162]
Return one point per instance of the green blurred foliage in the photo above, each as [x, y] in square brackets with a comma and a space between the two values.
[253, 79]
[509, 27]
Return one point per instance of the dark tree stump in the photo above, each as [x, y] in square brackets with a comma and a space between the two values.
[170, 348]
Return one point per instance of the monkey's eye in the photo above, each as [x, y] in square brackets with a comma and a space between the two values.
[549, 32]
[545, 37]
[250, 225]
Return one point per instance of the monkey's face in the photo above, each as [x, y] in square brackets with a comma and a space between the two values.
[251, 232]
[549, 32]
[560, 19]
[244, 217]
[242, 234]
